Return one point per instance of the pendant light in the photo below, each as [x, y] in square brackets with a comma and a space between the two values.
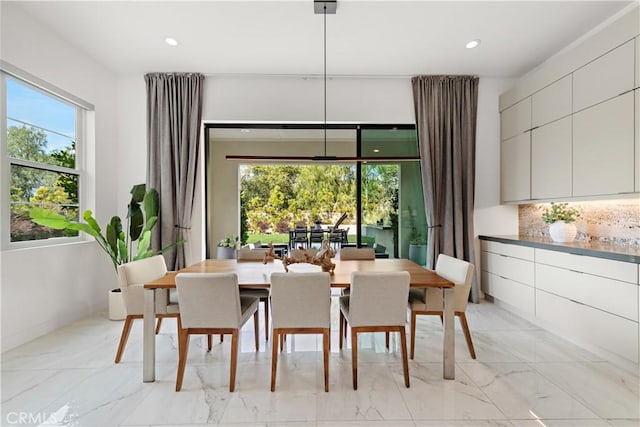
[324, 7]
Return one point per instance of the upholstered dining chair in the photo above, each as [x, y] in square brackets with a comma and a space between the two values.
[349, 254]
[355, 254]
[377, 304]
[211, 304]
[132, 276]
[263, 294]
[300, 304]
[301, 254]
[430, 301]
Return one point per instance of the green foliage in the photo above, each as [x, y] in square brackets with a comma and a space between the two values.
[232, 241]
[142, 217]
[560, 212]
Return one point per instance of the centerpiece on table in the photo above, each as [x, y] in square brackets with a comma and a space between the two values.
[561, 219]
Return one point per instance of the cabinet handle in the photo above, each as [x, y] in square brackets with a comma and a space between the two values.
[626, 91]
[502, 277]
[577, 302]
[534, 128]
[576, 271]
[502, 255]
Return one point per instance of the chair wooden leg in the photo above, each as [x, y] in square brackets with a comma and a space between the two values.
[467, 334]
[221, 337]
[234, 360]
[124, 336]
[413, 333]
[266, 319]
[158, 324]
[326, 343]
[386, 340]
[275, 338]
[354, 358]
[282, 338]
[341, 329]
[209, 342]
[405, 362]
[345, 327]
[441, 319]
[256, 330]
[183, 349]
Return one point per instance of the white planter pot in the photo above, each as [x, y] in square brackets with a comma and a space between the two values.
[225, 253]
[562, 232]
[117, 310]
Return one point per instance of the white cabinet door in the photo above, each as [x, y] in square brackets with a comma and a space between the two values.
[551, 103]
[603, 148]
[515, 168]
[606, 77]
[612, 296]
[508, 249]
[509, 268]
[515, 294]
[551, 160]
[515, 119]
[637, 114]
[589, 325]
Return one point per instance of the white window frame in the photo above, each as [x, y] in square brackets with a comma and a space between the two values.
[82, 109]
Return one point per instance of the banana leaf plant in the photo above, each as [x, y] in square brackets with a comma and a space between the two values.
[142, 216]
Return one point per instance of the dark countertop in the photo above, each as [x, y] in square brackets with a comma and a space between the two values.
[596, 249]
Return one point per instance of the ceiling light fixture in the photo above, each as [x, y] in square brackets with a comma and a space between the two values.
[473, 44]
[171, 41]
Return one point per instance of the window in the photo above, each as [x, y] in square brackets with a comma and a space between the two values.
[42, 138]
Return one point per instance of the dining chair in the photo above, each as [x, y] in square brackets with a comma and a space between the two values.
[303, 254]
[377, 303]
[316, 236]
[350, 254]
[300, 304]
[263, 294]
[300, 237]
[211, 304]
[430, 301]
[132, 276]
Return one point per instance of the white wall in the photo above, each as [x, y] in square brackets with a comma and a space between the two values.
[48, 287]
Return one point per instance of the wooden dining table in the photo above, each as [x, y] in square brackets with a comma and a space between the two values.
[255, 274]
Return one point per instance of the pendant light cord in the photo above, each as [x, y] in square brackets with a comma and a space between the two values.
[325, 77]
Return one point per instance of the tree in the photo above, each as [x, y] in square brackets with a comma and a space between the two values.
[27, 143]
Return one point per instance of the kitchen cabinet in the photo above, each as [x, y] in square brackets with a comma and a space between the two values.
[603, 148]
[507, 274]
[552, 103]
[591, 300]
[606, 77]
[551, 159]
[637, 135]
[515, 168]
[516, 119]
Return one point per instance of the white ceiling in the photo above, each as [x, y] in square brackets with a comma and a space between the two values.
[372, 38]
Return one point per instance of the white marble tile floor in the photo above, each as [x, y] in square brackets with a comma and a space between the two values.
[523, 377]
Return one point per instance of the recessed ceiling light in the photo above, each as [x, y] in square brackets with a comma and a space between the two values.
[473, 43]
[171, 41]
[375, 150]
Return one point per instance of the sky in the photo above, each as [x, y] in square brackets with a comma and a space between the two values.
[54, 116]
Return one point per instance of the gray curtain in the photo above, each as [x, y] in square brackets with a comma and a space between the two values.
[174, 113]
[445, 108]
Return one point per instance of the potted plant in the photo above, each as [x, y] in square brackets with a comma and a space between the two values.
[122, 246]
[561, 218]
[417, 247]
[227, 247]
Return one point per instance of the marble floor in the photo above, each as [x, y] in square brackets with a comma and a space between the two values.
[523, 376]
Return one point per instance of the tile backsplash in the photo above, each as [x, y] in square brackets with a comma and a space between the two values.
[613, 221]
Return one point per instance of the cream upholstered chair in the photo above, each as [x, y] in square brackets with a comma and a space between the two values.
[132, 276]
[355, 254]
[350, 254]
[211, 304]
[299, 254]
[300, 304]
[377, 304]
[430, 301]
[263, 294]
